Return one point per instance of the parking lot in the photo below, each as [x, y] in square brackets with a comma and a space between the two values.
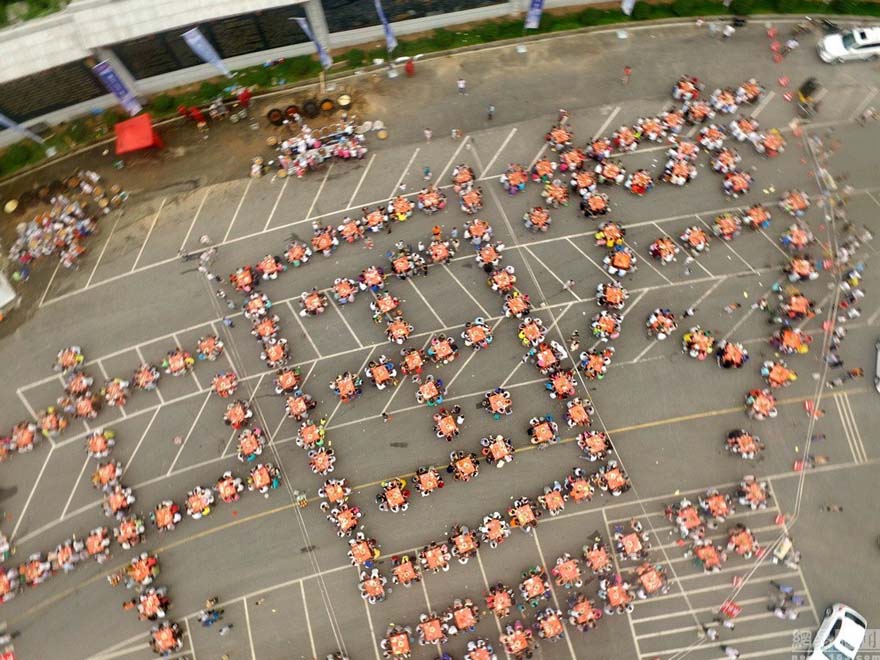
[287, 586]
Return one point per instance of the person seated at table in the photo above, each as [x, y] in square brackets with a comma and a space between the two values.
[769, 144]
[553, 498]
[686, 88]
[517, 304]
[626, 139]
[313, 302]
[661, 323]
[594, 204]
[743, 444]
[727, 226]
[744, 128]
[610, 172]
[543, 431]
[463, 466]
[698, 112]
[711, 137]
[697, 343]
[514, 178]
[497, 450]
[445, 424]
[639, 182]
[731, 355]
[594, 363]
[480, 649]
[673, 121]
[477, 334]
[393, 497]
[462, 178]
[578, 413]
[800, 269]
[651, 128]
[679, 171]
[795, 202]
[757, 217]
[497, 403]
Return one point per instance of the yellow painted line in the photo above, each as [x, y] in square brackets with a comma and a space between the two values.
[269, 512]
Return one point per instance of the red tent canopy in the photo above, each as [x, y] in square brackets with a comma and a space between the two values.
[135, 134]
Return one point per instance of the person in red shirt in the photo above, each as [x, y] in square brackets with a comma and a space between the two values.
[244, 98]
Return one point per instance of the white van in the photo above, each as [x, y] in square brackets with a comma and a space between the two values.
[850, 45]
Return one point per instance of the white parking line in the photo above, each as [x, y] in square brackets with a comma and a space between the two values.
[75, 486]
[275, 205]
[614, 559]
[727, 245]
[237, 210]
[149, 233]
[403, 174]
[763, 103]
[140, 441]
[193, 223]
[318, 194]
[555, 598]
[607, 121]
[589, 258]
[247, 623]
[372, 630]
[498, 152]
[30, 496]
[303, 328]
[49, 285]
[192, 646]
[466, 291]
[189, 433]
[467, 361]
[427, 304]
[565, 288]
[345, 321]
[27, 405]
[452, 158]
[361, 182]
[738, 640]
[308, 620]
[103, 249]
[861, 107]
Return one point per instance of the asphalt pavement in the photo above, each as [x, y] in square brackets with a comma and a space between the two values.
[281, 572]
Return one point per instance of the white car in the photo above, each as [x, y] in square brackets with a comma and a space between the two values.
[850, 45]
[840, 636]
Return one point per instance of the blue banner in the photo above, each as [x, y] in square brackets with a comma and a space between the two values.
[203, 48]
[326, 60]
[18, 128]
[390, 39]
[533, 18]
[114, 84]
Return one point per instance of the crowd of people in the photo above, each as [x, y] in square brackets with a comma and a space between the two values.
[72, 211]
[557, 366]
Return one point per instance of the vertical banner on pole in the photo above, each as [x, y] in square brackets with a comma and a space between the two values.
[203, 48]
[326, 60]
[390, 39]
[18, 128]
[533, 17]
[115, 85]
[626, 6]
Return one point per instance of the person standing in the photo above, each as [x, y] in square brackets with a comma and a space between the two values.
[462, 86]
[627, 73]
[490, 112]
[428, 134]
[728, 31]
